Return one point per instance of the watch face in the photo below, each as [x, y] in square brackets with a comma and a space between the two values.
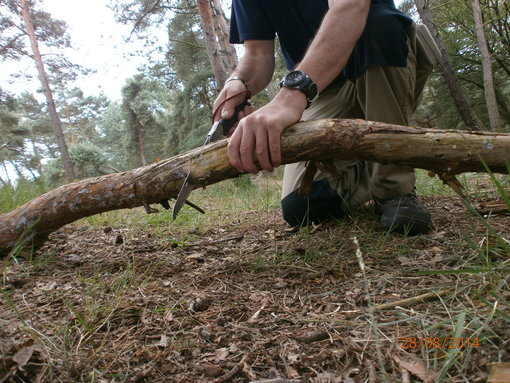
[294, 78]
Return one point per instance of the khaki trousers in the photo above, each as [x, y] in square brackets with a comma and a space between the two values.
[384, 94]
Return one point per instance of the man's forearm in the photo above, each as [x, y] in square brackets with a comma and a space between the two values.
[257, 65]
[340, 30]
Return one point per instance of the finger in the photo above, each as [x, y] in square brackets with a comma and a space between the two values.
[228, 107]
[240, 116]
[248, 109]
[274, 139]
[233, 150]
[262, 150]
[223, 107]
[246, 148]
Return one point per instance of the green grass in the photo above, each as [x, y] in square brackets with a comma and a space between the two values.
[106, 300]
[12, 196]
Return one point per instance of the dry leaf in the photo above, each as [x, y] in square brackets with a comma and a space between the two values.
[23, 356]
[499, 373]
[221, 354]
[415, 366]
[292, 372]
[163, 342]
[169, 316]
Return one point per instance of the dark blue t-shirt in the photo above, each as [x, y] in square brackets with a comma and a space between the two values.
[296, 22]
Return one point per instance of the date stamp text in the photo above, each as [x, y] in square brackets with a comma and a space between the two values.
[444, 343]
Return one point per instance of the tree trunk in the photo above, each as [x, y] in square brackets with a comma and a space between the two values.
[228, 52]
[449, 74]
[445, 152]
[55, 121]
[141, 148]
[488, 81]
[211, 42]
[35, 152]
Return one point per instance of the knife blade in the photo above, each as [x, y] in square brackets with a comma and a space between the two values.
[218, 130]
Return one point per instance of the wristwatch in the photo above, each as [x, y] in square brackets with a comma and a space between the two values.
[301, 81]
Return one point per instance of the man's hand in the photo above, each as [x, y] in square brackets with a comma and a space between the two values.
[259, 132]
[227, 100]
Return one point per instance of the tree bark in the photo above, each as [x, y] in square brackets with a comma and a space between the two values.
[228, 52]
[449, 74]
[488, 81]
[445, 152]
[43, 78]
[211, 42]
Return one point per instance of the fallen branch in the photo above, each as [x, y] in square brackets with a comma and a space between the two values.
[411, 301]
[444, 152]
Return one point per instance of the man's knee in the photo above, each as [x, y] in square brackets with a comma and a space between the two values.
[323, 203]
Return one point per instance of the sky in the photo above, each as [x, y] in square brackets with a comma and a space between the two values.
[99, 43]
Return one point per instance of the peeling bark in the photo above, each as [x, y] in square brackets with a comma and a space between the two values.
[445, 152]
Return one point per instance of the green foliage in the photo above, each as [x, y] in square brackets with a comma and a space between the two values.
[112, 135]
[10, 132]
[144, 104]
[191, 84]
[454, 20]
[87, 160]
[80, 114]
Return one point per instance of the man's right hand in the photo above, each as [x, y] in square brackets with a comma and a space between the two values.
[233, 93]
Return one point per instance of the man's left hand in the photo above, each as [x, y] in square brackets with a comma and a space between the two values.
[259, 133]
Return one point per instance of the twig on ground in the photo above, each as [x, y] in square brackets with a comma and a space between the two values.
[257, 313]
[410, 301]
[216, 241]
[235, 371]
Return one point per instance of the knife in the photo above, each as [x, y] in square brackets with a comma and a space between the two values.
[218, 130]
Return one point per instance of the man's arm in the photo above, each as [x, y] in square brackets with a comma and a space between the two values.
[331, 48]
[260, 131]
[255, 68]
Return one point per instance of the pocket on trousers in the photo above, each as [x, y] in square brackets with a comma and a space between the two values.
[427, 51]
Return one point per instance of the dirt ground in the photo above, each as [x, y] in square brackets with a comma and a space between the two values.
[251, 300]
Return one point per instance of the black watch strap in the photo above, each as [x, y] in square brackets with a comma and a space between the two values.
[299, 80]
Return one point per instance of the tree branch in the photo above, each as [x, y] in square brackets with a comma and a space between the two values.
[445, 152]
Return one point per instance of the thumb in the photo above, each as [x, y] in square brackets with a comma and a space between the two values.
[228, 109]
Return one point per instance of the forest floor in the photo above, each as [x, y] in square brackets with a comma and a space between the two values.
[238, 296]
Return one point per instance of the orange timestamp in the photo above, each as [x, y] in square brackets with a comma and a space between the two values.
[444, 343]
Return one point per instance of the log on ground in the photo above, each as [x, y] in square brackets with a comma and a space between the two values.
[445, 152]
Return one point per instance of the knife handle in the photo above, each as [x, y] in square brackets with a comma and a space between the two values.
[229, 123]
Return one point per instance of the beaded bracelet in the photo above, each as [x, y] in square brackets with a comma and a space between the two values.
[237, 78]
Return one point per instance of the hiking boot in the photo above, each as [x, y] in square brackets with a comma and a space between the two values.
[404, 214]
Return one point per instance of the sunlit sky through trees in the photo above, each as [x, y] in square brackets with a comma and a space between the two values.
[100, 44]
